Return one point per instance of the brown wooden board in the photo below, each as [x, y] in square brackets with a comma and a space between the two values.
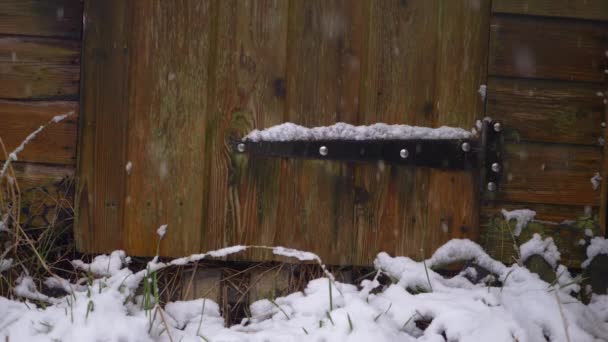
[41, 68]
[313, 63]
[588, 9]
[103, 128]
[167, 125]
[46, 18]
[400, 54]
[548, 48]
[549, 174]
[248, 92]
[547, 111]
[323, 74]
[55, 144]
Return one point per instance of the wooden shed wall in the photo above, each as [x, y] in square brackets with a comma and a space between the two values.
[168, 85]
[547, 72]
[39, 78]
[546, 80]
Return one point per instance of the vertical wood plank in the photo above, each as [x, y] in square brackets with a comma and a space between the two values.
[324, 52]
[397, 88]
[167, 121]
[249, 92]
[462, 56]
[103, 127]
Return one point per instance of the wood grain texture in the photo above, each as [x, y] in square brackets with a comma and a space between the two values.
[41, 68]
[248, 92]
[545, 212]
[56, 144]
[547, 111]
[32, 175]
[588, 9]
[100, 192]
[323, 60]
[550, 174]
[461, 70]
[45, 18]
[166, 126]
[533, 47]
[400, 50]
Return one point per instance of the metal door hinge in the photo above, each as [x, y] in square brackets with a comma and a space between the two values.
[482, 153]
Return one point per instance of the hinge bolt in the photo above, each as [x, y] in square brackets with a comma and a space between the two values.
[492, 186]
[497, 127]
[240, 147]
[323, 150]
[496, 167]
[466, 146]
[404, 153]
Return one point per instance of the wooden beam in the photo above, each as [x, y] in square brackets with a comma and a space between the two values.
[39, 68]
[56, 144]
[44, 18]
[588, 9]
[532, 47]
[547, 111]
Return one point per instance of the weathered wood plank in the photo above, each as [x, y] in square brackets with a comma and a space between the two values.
[249, 92]
[323, 57]
[32, 175]
[400, 54]
[166, 125]
[453, 210]
[47, 18]
[533, 47]
[550, 174]
[41, 68]
[547, 111]
[100, 197]
[544, 212]
[55, 144]
[588, 9]
[46, 193]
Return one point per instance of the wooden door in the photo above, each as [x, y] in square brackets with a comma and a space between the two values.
[166, 85]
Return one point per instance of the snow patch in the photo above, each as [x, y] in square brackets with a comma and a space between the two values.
[521, 216]
[599, 245]
[343, 131]
[545, 248]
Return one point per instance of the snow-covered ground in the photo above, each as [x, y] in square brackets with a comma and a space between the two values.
[417, 305]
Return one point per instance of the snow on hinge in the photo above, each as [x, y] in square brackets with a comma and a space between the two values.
[343, 131]
[443, 147]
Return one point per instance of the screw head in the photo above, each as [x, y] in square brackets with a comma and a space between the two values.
[497, 127]
[240, 147]
[496, 167]
[404, 153]
[323, 150]
[491, 186]
[466, 146]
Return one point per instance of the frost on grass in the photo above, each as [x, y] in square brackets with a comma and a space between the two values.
[524, 308]
[545, 248]
[521, 216]
[599, 245]
[343, 131]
